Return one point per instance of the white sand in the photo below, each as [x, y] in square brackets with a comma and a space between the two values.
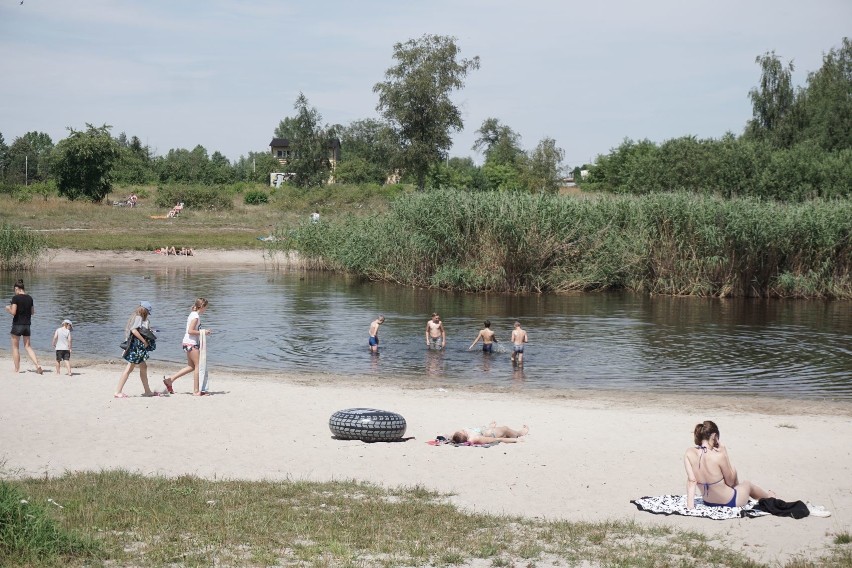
[587, 456]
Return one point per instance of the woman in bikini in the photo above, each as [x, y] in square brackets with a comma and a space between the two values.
[488, 434]
[709, 466]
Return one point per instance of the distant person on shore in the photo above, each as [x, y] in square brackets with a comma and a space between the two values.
[436, 336]
[190, 347]
[490, 433]
[22, 308]
[519, 338]
[132, 200]
[62, 345]
[709, 466]
[373, 340]
[138, 350]
[487, 336]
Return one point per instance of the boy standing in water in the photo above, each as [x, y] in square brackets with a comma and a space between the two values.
[373, 342]
[488, 338]
[436, 337]
[62, 344]
[519, 337]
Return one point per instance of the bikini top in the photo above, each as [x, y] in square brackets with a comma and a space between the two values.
[704, 451]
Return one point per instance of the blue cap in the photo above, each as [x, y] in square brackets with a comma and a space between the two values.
[147, 306]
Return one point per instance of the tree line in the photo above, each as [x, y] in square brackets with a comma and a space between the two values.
[798, 144]
[409, 142]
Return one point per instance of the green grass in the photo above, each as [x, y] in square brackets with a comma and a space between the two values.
[134, 520]
[20, 248]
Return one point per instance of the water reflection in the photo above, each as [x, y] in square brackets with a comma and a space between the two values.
[318, 322]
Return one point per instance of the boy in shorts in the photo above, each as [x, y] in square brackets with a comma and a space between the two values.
[62, 344]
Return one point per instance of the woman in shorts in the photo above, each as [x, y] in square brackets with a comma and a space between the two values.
[190, 347]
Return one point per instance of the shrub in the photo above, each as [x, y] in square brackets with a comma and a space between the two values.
[195, 197]
[256, 197]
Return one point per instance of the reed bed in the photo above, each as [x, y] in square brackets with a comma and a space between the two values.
[663, 243]
[20, 248]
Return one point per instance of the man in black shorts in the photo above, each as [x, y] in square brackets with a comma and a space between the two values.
[22, 309]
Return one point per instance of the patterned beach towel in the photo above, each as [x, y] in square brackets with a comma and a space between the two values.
[442, 441]
[676, 505]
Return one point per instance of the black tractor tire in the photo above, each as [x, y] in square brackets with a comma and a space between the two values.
[367, 424]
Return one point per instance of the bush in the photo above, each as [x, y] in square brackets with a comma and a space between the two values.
[198, 197]
[256, 197]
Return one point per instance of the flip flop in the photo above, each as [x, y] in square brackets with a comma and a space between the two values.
[168, 386]
[120, 395]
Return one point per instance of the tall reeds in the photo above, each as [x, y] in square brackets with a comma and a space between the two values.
[20, 248]
[664, 243]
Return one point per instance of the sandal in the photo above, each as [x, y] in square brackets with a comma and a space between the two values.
[120, 395]
[168, 384]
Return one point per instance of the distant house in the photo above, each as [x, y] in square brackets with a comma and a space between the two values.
[280, 148]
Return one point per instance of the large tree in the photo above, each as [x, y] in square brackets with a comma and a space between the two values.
[499, 143]
[827, 100]
[415, 99]
[85, 162]
[773, 101]
[311, 145]
[367, 151]
[544, 166]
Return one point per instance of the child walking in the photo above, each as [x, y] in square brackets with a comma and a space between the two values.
[190, 346]
[62, 344]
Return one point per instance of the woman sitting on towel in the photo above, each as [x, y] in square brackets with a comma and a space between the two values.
[488, 434]
[708, 465]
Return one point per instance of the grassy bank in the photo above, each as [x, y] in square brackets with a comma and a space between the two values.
[678, 244]
[19, 248]
[206, 222]
[152, 521]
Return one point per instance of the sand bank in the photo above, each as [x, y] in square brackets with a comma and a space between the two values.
[587, 456]
[201, 258]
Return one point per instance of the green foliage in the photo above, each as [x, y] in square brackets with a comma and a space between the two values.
[827, 102]
[662, 243]
[773, 100]
[29, 535]
[256, 167]
[543, 167]
[256, 197]
[500, 144]
[19, 248]
[310, 145]
[368, 152]
[85, 162]
[415, 100]
[197, 197]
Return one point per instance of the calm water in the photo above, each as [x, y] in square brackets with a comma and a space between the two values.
[318, 322]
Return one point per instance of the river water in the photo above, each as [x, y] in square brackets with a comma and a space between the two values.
[318, 322]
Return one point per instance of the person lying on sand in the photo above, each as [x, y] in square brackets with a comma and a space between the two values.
[488, 434]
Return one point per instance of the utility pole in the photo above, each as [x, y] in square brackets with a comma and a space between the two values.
[26, 170]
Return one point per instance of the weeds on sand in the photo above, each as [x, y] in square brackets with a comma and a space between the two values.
[20, 248]
[156, 521]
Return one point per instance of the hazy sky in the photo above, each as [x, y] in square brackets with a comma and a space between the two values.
[222, 74]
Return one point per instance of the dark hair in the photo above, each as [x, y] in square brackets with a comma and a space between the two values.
[459, 438]
[19, 283]
[704, 430]
[487, 323]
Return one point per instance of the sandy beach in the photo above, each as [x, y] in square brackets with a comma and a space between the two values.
[588, 453]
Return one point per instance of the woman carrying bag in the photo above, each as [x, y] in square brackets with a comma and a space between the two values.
[141, 342]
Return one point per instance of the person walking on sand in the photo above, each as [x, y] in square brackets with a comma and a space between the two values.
[22, 308]
[373, 340]
[436, 336]
[138, 350]
[519, 337]
[190, 347]
[487, 336]
[62, 345]
[488, 434]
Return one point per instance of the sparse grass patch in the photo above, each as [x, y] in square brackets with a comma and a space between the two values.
[787, 425]
[20, 248]
[155, 521]
[842, 538]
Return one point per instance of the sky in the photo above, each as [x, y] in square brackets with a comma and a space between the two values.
[587, 73]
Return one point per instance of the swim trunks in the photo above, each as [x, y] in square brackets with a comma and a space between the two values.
[487, 347]
[373, 341]
[436, 342]
[518, 348]
[63, 355]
